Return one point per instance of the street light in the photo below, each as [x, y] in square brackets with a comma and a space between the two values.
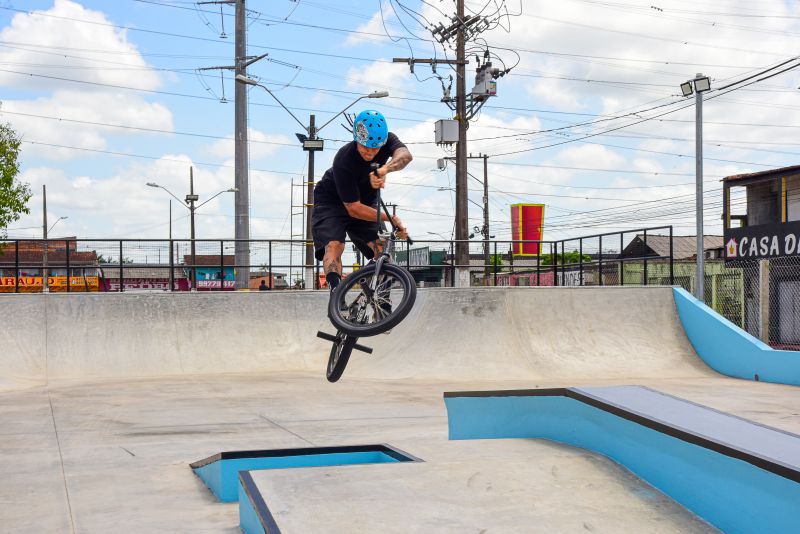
[190, 199]
[440, 235]
[700, 84]
[54, 225]
[310, 144]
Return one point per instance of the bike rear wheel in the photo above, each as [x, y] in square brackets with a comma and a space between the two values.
[340, 355]
[364, 305]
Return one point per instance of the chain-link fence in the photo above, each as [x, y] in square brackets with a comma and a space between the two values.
[762, 297]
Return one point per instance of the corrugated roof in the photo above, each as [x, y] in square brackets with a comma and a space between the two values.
[54, 258]
[763, 174]
[208, 260]
[683, 246]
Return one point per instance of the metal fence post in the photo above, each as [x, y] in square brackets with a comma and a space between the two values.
[222, 266]
[600, 263]
[16, 266]
[121, 274]
[621, 261]
[580, 261]
[553, 256]
[494, 261]
[645, 256]
[68, 277]
[452, 266]
[671, 263]
[269, 260]
[563, 265]
[171, 266]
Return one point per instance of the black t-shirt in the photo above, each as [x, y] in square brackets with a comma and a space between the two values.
[348, 179]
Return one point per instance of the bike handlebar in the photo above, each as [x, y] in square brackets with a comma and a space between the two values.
[374, 168]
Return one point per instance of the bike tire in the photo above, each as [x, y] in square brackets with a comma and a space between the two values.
[399, 310]
[340, 355]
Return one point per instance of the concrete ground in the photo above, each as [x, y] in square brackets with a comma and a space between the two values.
[98, 430]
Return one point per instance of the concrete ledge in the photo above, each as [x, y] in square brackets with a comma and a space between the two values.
[738, 476]
[730, 350]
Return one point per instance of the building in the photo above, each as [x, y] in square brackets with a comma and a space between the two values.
[23, 262]
[142, 278]
[210, 270]
[683, 247]
[761, 215]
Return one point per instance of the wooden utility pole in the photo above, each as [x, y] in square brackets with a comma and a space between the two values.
[462, 214]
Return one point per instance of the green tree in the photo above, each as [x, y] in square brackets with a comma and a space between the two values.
[568, 258]
[14, 195]
[496, 260]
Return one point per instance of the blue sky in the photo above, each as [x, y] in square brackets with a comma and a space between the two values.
[107, 97]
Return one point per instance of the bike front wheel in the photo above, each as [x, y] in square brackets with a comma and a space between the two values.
[340, 355]
[366, 305]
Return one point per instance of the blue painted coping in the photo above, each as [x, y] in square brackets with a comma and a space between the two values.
[254, 516]
[731, 494]
[220, 472]
[729, 350]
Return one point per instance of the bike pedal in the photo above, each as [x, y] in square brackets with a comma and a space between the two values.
[362, 348]
[328, 337]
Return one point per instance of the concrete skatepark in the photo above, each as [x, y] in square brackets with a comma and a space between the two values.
[107, 404]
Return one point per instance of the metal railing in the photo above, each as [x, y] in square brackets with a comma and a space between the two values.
[88, 265]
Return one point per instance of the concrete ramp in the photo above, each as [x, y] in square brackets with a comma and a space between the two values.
[452, 334]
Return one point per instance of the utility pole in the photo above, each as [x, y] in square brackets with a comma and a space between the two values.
[241, 171]
[485, 229]
[242, 178]
[191, 198]
[462, 222]
[485, 218]
[698, 121]
[45, 288]
[311, 283]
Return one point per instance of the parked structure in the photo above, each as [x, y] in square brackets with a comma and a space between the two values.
[761, 213]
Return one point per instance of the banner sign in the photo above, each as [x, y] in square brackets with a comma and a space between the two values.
[418, 258]
[28, 284]
[762, 241]
[527, 223]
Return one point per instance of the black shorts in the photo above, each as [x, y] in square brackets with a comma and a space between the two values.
[331, 223]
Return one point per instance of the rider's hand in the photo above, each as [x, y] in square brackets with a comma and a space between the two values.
[402, 233]
[378, 178]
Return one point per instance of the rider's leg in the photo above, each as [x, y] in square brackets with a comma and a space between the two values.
[328, 226]
[332, 263]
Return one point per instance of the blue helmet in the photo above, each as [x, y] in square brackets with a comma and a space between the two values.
[370, 130]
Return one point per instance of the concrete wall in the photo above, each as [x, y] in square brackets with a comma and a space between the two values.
[455, 334]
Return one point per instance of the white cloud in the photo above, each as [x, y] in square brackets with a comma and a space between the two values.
[379, 76]
[260, 145]
[38, 120]
[372, 31]
[50, 38]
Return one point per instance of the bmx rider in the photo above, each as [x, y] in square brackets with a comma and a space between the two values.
[344, 199]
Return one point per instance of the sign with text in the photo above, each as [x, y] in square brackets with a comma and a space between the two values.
[527, 223]
[762, 241]
[33, 284]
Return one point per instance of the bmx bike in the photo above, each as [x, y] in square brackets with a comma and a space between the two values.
[371, 301]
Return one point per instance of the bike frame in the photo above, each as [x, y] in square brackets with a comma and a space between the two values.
[387, 238]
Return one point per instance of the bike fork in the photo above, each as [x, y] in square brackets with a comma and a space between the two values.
[378, 265]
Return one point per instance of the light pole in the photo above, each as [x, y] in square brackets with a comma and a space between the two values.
[442, 236]
[700, 84]
[190, 199]
[54, 225]
[311, 143]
